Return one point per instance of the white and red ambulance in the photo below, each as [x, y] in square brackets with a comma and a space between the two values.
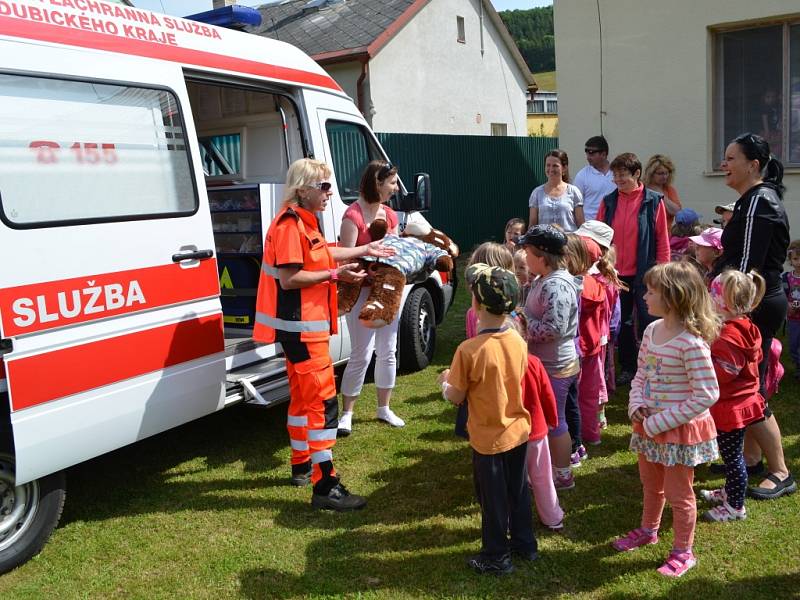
[142, 158]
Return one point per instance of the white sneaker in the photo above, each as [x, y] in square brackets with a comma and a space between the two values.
[714, 496]
[724, 512]
[386, 415]
[345, 426]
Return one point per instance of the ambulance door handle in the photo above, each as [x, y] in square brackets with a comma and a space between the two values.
[196, 255]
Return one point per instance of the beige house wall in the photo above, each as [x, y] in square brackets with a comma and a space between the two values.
[656, 85]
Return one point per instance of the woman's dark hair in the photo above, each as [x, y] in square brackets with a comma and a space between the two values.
[563, 159]
[755, 147]
[627, 161]
[376, 173]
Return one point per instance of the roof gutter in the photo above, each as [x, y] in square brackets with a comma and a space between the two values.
[360, 86]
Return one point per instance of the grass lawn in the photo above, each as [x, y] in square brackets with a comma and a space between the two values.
[206, 511]
[546, 81]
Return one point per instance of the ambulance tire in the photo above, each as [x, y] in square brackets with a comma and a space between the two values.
[417, 335]
[43, 500]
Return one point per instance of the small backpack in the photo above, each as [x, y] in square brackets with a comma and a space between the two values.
[774, 368]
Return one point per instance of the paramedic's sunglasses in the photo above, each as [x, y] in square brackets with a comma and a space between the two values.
[323, 186]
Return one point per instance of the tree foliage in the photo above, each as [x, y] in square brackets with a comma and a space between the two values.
[532, 30]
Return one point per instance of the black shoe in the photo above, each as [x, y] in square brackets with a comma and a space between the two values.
[488, 566]
[782, 488]
[625, 377]
[338, 499]
[756, 470]
[301, 474]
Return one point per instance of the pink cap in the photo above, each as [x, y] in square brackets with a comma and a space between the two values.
[711, 237]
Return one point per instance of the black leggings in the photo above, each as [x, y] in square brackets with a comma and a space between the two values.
[731, 445]
[768, 317]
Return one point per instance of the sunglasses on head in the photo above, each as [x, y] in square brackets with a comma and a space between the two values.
[323, 186]
[384, 171]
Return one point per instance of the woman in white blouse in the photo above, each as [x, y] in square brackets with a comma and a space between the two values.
[556, 202]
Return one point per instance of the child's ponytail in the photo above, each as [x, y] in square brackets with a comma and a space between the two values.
[607, 270]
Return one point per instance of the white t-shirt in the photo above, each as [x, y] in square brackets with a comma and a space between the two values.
[557, 211]
[594, 186]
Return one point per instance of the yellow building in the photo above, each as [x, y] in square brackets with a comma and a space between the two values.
[543, 114]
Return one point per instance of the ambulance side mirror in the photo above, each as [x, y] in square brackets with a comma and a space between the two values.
[420, 198]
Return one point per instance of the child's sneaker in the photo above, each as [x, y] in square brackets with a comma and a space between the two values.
[577, 457]
[488, 566]
[564, 482]
[677, 564]
[723, 513]
[714, 496]
[557, 528]
[635, 538]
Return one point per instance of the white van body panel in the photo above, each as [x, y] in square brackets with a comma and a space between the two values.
[84, 382]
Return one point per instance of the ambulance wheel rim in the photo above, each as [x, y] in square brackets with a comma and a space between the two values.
[18, 504]
[425, 327]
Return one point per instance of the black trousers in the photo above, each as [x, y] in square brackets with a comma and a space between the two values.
[768, 317]
[501, 487]
[632, 306]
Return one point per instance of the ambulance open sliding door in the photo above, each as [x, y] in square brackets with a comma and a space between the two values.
[109, 291]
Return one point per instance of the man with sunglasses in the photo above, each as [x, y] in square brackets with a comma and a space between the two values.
[594, 180]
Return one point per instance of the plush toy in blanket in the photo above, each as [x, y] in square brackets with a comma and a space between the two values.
[414, 258]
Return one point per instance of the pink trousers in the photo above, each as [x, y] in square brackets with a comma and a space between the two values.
[592, 394]
[540, 477]
[674, 484]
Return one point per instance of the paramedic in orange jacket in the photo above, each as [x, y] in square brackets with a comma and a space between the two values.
[296, 306]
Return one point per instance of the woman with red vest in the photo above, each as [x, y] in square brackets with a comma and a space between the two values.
[296, 306]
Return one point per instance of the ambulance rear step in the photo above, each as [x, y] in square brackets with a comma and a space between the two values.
[264, 384]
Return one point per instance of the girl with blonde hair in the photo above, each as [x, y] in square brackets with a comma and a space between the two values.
[671, 394]
[736, 354]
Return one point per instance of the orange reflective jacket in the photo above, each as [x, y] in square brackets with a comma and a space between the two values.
[307, 314]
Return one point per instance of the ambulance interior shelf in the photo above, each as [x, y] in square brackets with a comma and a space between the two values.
[236, 221]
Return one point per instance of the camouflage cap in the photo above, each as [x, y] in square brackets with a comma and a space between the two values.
[494, 288]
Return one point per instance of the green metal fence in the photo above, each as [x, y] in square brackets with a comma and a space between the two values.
[477, 182]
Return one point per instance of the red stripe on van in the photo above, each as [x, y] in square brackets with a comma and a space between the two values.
[45, 377]
[35, 307]
[20, 28]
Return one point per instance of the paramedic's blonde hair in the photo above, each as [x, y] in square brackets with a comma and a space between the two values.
[684, 293]
[305, 172]
[741, 292]
[494, 255]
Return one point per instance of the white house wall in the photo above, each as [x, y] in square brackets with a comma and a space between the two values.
[656, 85]
[424, 81]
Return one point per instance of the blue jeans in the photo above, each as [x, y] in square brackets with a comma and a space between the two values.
[793, 328]
[634, 318]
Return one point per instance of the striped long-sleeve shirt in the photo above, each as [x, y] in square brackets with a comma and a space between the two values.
[675, 381]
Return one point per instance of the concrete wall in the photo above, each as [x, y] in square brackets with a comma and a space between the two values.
[424, 81]
[656, 85]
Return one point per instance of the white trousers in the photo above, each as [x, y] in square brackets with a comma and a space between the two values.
[363, 341]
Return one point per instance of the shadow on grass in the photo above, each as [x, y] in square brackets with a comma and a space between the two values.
[139, 478]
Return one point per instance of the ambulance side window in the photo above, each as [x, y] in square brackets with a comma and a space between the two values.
[351, 149]
[81, 152]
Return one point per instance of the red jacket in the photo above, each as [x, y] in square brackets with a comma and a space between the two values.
[594, 316]
[538, 399]
[736, 354]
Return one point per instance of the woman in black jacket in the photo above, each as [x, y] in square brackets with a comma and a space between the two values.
[757, 237]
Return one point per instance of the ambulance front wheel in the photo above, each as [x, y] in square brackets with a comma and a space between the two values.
[417, 331]
[28, 513]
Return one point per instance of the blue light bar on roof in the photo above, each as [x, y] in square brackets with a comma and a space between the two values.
[232, 17]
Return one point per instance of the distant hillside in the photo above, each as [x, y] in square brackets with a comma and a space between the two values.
[546, 81]
[532, 30]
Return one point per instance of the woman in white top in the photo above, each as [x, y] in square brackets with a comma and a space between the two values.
[556, 202]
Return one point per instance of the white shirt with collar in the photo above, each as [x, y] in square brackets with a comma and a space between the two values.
[594, 185]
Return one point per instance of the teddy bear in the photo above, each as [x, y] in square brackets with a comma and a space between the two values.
[415, 258]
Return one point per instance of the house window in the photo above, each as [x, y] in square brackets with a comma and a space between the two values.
[754, 92]
[462, 38]
[500, 129]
